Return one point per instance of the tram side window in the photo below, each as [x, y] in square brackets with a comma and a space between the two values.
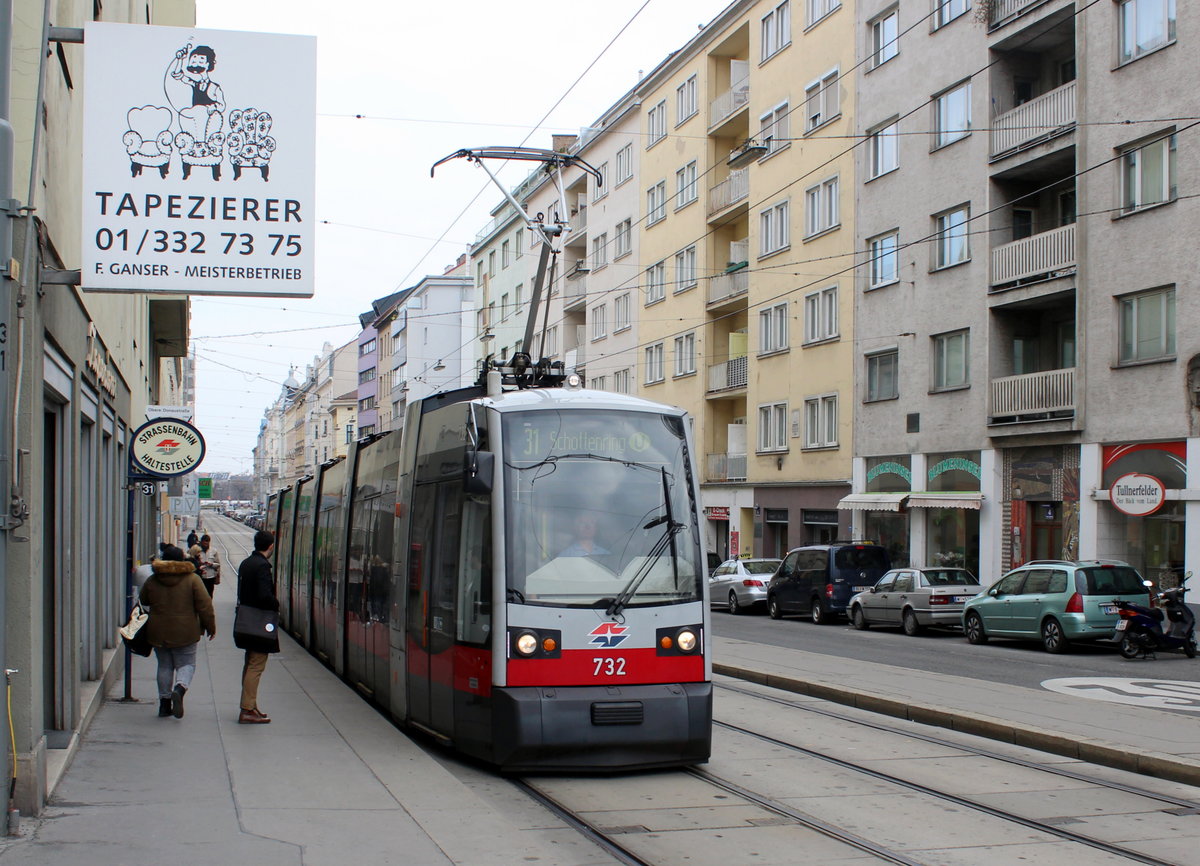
[475, 573]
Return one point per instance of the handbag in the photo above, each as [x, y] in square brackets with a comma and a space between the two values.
[255, 628]
[134, 633]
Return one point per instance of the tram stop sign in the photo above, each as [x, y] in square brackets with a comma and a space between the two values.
[166, 447]
[205, 488]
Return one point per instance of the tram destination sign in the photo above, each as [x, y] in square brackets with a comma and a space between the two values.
[199, 150]
[167, 447]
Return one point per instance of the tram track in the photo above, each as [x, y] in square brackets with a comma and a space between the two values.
[960, 800]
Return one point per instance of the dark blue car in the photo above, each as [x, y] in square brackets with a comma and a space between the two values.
[818, 580]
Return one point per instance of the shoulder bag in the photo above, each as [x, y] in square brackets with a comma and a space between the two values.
[255, 628]
[134, 634]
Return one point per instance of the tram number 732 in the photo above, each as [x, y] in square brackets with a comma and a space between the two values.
[609, 666]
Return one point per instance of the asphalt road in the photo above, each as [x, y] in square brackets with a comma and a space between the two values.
[941, 651]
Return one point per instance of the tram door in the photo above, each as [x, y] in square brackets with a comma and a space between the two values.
[433, 573]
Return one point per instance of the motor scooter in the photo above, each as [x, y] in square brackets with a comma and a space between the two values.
[1170, 627]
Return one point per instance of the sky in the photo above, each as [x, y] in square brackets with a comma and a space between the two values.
[427, 79]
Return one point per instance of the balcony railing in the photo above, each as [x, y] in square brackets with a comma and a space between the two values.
[728, 374]
[1036, 256]
[1033, 393]
[724, 286]
[1038, 118]
[575, 289]
[729, 191]
[1005, 9]
[728, 102]
[726, 467]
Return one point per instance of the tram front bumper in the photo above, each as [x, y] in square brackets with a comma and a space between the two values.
[605, 728]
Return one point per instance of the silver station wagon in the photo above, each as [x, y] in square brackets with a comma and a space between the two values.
[913, 598]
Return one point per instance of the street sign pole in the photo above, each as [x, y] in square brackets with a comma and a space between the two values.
[135, 483]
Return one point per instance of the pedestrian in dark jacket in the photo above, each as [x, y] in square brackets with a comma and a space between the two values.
[192, 539]
[180, 610]
[256, 588]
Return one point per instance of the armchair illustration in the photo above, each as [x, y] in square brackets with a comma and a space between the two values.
[203, 145]
[148, 139]
[250, 143]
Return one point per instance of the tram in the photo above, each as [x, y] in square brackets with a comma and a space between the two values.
[519, 574]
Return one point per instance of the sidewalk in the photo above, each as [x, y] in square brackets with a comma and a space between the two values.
[1139, 739]
[327, 780]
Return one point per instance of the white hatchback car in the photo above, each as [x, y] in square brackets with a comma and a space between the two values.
[741, 584]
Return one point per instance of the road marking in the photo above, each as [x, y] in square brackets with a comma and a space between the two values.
[1158, 694]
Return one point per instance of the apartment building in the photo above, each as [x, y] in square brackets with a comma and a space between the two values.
[1026, 377]
[745, 309]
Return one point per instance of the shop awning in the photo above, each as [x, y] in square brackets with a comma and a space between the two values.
[945, 500]
[873, 502]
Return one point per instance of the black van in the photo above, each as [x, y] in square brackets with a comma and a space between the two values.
[819, 579]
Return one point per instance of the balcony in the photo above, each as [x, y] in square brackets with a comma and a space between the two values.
[726, 467]
[1041, 256]
[1033, 396]
[574, 289]
[1002, 10]
[725, 286]
[728, 375]
[1045, 117]
[729, 192]
[725, 105]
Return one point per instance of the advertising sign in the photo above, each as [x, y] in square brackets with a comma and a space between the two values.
[167, 447]
[1137, 495]
[205, 489]
[198, 161]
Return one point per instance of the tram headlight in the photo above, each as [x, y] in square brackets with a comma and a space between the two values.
[526, 643]
[686, 639]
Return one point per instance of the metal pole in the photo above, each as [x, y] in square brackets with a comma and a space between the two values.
[6, 295]
[130, 498]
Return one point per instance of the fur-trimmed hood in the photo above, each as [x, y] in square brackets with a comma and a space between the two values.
[170, 572]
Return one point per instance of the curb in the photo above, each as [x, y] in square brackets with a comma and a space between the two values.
[1156, 764]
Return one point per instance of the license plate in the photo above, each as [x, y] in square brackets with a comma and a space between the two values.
[861, 588]
[959, 599]
[1108, 608]
[1121, 625]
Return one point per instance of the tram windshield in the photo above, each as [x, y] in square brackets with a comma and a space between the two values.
[587, 509]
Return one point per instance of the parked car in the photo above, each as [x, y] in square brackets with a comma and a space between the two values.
[914, 598]
[741, 584]
[819, 579]
[1055, 601]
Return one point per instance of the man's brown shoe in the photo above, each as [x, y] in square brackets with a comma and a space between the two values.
[253, 717]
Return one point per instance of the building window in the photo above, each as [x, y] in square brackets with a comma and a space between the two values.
[600, 187]
[621, 312]
[624, 239]
[685, 355]
[883, 148]
[773, 229]
[656, 203]
[821, 101]
[552, 341]
[685, 100]
[366, 404]
[654, 363]
[951, 360]
[685, 269]
[1148, 325]
[773, 128]
[1145, 25]
[600, 383]
[818, 9]
[366, 348]
[885, 38]
[885, 259]
[518, 242]
[600, 250]
[517, 293]
[504, 306]
[952, 115]
[776, 29]
[656, 123]
[1148, 174]
[505, 254]
[882, 370]
[368, 430]
[821, 207]
[349, 432]
[685, 185]
[773, 329]
[366, 376]
[950, 245]
[946, 11]
[656, 281]
[600, 321]
[772, 427]
[821, 315]
[491, 263]
[821, 421]
[624, 164]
